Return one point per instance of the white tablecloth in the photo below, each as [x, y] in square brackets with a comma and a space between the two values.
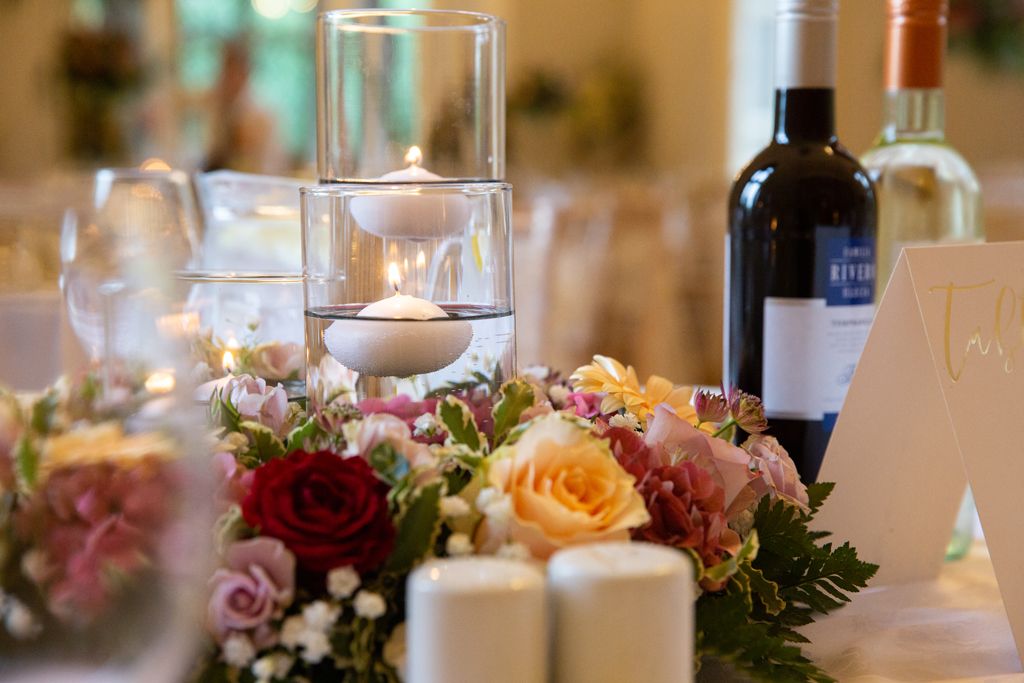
[950, 629]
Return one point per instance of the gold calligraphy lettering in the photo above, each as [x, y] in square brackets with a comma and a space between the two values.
[975, 339]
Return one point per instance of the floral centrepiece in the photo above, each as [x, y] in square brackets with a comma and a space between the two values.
[359, 493]
[324, 515]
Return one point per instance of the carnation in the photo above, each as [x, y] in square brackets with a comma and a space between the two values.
[686, 508]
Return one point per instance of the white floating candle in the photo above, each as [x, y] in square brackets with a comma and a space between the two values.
[623, 612]
[476, 619]
[412, 214]
[398, 336]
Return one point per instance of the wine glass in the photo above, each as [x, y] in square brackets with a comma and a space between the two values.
[138, 225]
[105, 551]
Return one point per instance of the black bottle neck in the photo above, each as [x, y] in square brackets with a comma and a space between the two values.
[805, 115]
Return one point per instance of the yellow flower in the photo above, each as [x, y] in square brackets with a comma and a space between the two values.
[622, 388]
[102, 443]
[558, 485]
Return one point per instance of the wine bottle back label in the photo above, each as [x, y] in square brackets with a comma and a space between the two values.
[811, 345]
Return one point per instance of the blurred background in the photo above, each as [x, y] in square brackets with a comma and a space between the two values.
[626, 123]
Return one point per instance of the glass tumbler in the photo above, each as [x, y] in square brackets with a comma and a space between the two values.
[410, 96]
[408, 288]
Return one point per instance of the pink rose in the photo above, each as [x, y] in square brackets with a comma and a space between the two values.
[235, 480]
[277, 361]
[257, 402]
[257, 585]
[385, 428]
[406, 409]
[778, 469]
[729, 465]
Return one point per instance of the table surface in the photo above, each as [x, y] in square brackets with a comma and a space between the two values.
[950, 629]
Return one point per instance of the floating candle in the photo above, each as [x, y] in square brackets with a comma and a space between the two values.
[413, 213]
[399, 336]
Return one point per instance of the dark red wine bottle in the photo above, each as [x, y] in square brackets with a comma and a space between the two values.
[800, 262]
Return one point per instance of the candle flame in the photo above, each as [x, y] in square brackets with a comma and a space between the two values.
[154, 164]
[414, 156]
[228, 361]
[394, 277]
[421, 260]
[160, 382]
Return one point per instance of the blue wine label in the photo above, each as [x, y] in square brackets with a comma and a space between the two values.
[811, 346]
[844, 269]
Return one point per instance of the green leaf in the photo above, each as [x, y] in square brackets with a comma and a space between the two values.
[416, 530]
[264, 443]
[729, 634]
[827, 577]
[388, 463]
[727, 568]
[306, 433]
[43, 411]
[766, 591]
[26, 463]
[458, 420]
[222, 412]
[516, 396]
[818, 493]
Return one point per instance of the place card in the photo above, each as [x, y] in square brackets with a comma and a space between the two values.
[937, 400]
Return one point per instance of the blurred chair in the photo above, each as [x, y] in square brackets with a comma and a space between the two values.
[622, 267]
[1002, 189]
[35, 345]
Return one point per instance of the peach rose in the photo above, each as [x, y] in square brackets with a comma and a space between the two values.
[558, 485]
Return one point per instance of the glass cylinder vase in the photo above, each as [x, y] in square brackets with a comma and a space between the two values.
[408, 288]
[410, 96]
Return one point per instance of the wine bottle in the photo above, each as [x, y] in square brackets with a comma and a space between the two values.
[800, 278]
[927, 192]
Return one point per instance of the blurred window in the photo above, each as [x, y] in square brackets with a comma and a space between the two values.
[279, 37]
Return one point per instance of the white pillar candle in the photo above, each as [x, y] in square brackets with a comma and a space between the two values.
[398, 336]
[476, 619]
[622, 612]
[411, 214]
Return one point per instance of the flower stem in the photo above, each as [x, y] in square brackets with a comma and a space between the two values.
[725, 427]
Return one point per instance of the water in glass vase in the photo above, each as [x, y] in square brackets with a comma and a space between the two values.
[411, 357]
[247, 323]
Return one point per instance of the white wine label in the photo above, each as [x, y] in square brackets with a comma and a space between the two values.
[811, 345]
[810, 352]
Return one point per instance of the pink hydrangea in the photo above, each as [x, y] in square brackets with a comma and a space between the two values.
[93, 523]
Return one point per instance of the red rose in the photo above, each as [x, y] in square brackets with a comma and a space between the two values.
[329, 511]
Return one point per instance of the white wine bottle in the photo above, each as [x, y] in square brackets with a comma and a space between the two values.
[926, 191]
